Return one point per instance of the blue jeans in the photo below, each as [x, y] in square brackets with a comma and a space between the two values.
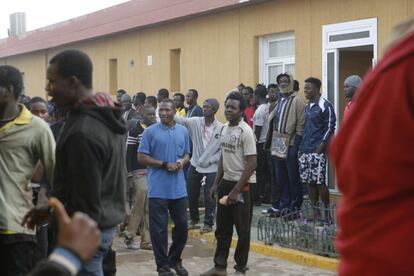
[287, 177]
[94, 266]
[158, 225]
[193, 188]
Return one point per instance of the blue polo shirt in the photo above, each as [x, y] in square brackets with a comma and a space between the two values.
[165, 144]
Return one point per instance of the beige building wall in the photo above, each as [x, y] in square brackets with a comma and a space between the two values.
[33, 67]
[217, 51]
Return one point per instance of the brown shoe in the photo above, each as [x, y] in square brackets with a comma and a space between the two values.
[146, 246]
[215, 271]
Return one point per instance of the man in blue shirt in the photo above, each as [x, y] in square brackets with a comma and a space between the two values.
[320, 121]
[164, 149]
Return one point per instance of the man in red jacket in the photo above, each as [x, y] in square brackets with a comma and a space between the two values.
[373, 155]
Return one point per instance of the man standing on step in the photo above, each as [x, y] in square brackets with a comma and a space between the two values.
[235, 172]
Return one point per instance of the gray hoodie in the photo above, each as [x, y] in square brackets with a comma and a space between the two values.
[205, 160]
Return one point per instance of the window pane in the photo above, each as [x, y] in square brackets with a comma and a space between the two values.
[290, 68]
[341, 37]
[282, 48]
[331, 77]
[273, 71]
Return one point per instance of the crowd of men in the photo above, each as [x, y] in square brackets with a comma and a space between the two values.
[129, 164]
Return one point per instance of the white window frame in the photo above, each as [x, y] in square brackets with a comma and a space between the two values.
[265, 61]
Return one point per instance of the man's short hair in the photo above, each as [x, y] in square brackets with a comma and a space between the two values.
[181, 95]
[260, 91]
[295, 85]
[282, 75]
[168, 101]
[121, 91]
[11, 76]
[146, 107]
[272, 85]
[249, 89]
[316, 82]
[163, 92]
[195, 93]
[74, 63]
[37, 100]
[240, 86]
[152, 100]
[235, 95]
[140, 96]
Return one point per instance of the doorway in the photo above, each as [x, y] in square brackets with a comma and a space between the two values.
[352, 61]
[348, 48]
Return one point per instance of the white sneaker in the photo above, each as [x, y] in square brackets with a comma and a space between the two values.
[131, 244]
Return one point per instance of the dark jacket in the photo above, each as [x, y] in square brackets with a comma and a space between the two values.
[135, 130]
[320, 122]
[90, 174]
[195, 111]
[49, 268]
[130, 114]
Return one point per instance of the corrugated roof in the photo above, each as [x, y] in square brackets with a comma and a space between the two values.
[123, 17]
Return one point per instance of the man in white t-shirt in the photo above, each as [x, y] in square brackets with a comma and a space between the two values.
[234, 175]
[260, 128]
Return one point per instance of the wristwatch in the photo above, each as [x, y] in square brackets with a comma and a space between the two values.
[164, 165]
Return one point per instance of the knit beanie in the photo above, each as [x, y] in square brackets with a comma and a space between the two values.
[214, 103]
[353, 80]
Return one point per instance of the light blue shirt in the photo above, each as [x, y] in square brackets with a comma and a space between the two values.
[165, 144]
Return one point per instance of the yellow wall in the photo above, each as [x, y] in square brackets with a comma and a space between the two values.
[218, 51]
[33, 66]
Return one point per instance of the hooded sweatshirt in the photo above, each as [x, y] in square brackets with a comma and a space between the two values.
[90, 174]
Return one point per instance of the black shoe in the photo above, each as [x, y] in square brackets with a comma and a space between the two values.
[240, 269]
[193, 225]
[215, 271]
[165, 271]
[179, 269]
[273, 212]
[206, 229]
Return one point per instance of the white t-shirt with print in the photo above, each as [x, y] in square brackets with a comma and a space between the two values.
[237, 142]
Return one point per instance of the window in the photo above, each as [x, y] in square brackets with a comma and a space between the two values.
[277, 55]
[113, 75]
[175, 70]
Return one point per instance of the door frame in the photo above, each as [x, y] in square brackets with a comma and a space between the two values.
[345, 35]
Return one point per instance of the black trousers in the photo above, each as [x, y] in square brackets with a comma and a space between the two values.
[261, 190]
[193, 190]
[17, 258]
[159, 209]
[238, 215]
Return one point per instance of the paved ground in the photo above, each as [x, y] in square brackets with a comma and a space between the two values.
[198, 257]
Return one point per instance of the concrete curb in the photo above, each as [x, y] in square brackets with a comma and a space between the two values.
[295, 256]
